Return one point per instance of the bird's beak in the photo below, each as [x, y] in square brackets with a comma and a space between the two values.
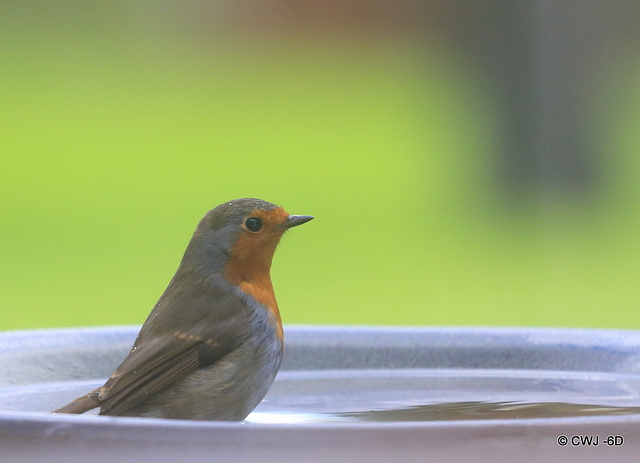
[295, 220]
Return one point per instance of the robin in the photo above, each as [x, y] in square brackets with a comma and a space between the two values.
[212, 345]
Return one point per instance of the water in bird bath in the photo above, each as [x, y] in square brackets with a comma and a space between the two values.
[395, 395]
[445, 394]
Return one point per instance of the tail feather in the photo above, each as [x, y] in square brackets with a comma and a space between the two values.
[81, 404]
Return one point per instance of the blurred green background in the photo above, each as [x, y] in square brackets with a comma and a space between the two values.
[123, 122]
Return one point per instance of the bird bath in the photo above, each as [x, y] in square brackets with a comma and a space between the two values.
[409, 394]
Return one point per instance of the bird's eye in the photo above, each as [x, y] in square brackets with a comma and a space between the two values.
[253, 224]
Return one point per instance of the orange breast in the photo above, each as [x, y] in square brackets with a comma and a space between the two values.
[249, 264]
[264, 295]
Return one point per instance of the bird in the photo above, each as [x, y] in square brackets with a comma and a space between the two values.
[213, 343]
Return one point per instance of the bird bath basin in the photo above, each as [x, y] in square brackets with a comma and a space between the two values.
[346, 393]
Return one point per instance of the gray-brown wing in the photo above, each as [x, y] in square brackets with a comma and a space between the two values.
[164, 360]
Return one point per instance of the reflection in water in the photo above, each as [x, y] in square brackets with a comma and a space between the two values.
[489, 411]
[452, 411]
